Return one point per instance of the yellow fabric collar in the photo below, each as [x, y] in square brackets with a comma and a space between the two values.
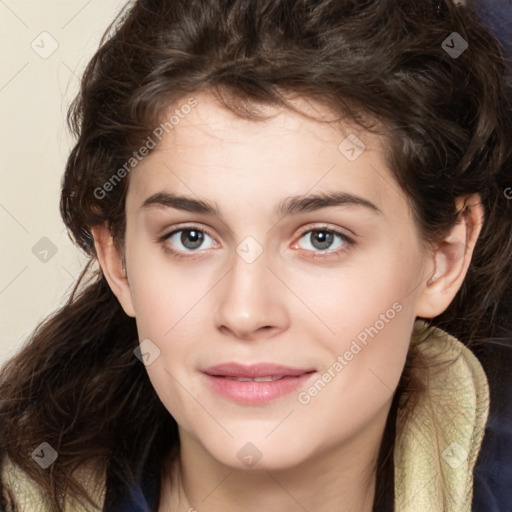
[437, 446]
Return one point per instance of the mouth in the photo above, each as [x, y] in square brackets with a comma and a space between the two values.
[268, 378]
[255, 384]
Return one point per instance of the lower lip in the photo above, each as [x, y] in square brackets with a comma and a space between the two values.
[256, 393]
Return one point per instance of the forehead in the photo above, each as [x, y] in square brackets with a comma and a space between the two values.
[210, 150]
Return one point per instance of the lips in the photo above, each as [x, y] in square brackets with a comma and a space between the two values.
[255, 384]
[254, 371]
[268, 378]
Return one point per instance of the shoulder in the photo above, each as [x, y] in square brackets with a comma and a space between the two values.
[27, 494]
[493, 471]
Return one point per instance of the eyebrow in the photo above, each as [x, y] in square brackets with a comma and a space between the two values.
[289, 206]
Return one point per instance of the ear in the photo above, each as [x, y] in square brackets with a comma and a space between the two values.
[112, 266]
[451, 259]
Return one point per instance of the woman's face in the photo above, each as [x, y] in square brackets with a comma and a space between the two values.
[292, 246]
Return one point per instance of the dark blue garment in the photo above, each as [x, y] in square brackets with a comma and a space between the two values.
[497, 15]
[493, 471]
[140, 498]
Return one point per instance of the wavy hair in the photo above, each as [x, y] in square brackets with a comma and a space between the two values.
[380, 63]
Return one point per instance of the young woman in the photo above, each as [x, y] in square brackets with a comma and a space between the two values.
[299, 222]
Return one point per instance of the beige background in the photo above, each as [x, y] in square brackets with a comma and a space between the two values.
[38, 80]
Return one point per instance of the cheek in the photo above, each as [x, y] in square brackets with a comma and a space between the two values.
[372, 338]
[166, 300]
[370, 312]
[163, 316]
[357, 295]
[364, 368]
[163, 294]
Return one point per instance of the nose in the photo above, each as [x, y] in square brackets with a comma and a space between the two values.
[250, 301]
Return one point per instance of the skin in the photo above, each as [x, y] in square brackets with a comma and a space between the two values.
[287, 306]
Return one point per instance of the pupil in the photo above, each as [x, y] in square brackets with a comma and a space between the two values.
[191, 238]
[321, 239]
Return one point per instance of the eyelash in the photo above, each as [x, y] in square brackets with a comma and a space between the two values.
[178, 254]
[348, 242]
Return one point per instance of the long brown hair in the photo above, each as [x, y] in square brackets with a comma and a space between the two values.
[447, 119]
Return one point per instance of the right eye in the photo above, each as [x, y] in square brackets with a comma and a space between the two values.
[190, 239]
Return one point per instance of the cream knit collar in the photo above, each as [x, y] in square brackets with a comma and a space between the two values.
[437, 448]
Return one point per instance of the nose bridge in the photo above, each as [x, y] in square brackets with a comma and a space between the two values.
[247, 300]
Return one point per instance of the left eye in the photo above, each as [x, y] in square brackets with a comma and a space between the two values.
[324, 239]
[190, 239]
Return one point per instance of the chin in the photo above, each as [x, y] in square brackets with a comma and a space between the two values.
[259, 453]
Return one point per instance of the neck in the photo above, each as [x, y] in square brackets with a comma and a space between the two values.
[338, 478]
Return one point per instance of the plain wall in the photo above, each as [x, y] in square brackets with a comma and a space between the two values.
[45, 46]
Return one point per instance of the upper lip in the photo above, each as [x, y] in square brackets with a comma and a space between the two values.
[254, 370]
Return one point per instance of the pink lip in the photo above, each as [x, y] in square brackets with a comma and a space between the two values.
[255, 393]
[254, 370]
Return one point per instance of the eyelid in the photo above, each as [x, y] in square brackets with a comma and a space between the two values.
[326, 227]
[326, 254]
[185, 227]
[182, 227]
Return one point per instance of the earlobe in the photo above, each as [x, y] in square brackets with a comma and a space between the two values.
[451, 259]
[113, 267]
